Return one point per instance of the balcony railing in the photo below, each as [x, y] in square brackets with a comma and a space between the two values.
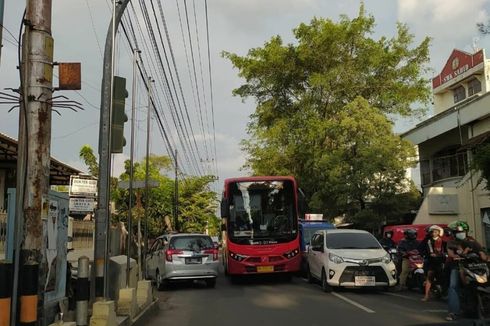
[443, 167]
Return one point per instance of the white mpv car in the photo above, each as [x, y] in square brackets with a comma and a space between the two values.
[349, 258]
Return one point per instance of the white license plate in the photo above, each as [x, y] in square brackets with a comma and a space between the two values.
[193, 260]
[365, 280]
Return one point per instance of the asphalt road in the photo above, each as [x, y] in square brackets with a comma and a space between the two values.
[271, 301]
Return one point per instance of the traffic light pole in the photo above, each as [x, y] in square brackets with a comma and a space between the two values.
[102, 214]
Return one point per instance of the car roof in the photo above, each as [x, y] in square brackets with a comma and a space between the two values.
[336, 231]
[171, 235]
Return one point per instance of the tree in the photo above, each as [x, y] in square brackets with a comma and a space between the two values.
[323, 105]
[88, 156]
[197, 203]
[481, 163]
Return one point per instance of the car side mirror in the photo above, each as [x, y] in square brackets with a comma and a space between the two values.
[225, 208]
[317, 248]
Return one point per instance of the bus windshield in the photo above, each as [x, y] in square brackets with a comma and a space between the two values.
[262, 212]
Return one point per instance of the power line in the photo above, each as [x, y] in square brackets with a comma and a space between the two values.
[211, 86]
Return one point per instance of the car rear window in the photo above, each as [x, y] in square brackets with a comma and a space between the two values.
[352, 241]
[192, 243]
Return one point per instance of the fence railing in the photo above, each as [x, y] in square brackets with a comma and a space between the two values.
[83, 234]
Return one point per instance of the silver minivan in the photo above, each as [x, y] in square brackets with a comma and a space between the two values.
[182, 256]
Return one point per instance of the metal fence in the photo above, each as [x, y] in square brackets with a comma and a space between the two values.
[83, 234]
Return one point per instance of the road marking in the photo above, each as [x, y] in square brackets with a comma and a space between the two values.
[358, 305]
[401, 296]
[435, 310]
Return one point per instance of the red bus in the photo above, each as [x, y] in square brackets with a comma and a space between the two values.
[260, 225]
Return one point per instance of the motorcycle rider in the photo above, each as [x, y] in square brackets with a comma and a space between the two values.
[387, 242]
[406, 245]
[434, 249]
[462, 244]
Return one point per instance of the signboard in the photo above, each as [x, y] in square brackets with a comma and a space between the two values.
[80, 186]
[443, 204]
[314, 217]
[458, 63]
[82, 205]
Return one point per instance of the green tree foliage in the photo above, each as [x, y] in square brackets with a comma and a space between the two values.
[88, 156]
[322, 110]
[481, 163]
[197, 203]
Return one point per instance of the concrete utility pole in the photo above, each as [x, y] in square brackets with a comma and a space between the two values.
[147, 173]
[176, 194]
[33, 164]
[2, 6]
[103, 192]
[131, 169]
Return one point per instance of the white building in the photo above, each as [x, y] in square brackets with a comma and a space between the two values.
[446, 142]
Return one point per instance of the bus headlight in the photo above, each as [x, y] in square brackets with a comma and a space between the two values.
[237, 257]
[291, 254]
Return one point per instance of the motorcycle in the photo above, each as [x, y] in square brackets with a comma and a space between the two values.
[475, 294]
[416, 275]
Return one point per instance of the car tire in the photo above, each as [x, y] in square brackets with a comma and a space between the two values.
[308, 275]
[210, 283]
[325, 286]
[160, 283]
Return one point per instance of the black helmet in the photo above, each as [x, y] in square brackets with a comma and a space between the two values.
[410, 234]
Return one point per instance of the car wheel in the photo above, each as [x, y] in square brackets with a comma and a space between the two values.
[308, 274]
[325, 286]
[160, 282]
[211, 283]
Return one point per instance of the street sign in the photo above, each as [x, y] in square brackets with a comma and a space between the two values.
[138, 184]
[82, 205]
[80, 186]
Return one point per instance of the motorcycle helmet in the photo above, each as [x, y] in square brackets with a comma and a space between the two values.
[410, 234]
[438, 228]
[458, 226]
[389, 234]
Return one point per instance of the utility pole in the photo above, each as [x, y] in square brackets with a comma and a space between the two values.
[2, 6]
[147, 172]
[131, 169]
[176, 194]
[33, 164]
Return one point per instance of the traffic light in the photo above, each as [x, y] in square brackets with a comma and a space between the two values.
[119, 116]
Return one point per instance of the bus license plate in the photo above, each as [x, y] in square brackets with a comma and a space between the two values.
[265, 269]
[193, 260]
[365, 281]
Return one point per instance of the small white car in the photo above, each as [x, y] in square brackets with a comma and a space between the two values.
[348, 258]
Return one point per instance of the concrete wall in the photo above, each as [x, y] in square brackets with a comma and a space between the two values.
[479, 127]
[443, 101]
[472, 198]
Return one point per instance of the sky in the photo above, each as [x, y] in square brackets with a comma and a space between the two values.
[80, 26]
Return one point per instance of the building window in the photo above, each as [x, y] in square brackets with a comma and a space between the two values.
[459, 94]
[474, 87]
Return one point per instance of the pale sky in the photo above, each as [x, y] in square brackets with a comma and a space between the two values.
[236, 26]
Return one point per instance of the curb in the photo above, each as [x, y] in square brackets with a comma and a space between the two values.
[147, 313]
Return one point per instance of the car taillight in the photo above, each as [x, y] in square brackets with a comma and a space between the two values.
[212, 251]
[170, 252]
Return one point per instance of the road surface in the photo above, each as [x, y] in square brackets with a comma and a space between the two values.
[271, 301]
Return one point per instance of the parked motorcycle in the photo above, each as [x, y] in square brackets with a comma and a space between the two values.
[416, 275]
[475, 294]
